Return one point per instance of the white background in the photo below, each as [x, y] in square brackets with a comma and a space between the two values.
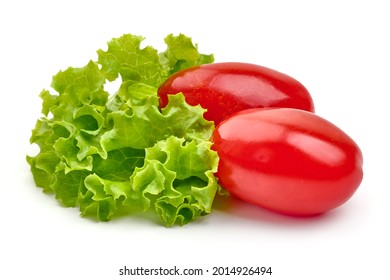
[338, 49]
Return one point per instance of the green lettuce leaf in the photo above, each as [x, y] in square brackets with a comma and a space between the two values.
[177, 178]
[124, 57]
[182, 54]
[104, 153]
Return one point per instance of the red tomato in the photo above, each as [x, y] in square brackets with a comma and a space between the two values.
[229, 87]
[287, 160]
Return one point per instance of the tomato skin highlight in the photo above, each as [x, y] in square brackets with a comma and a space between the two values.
[287, 160]
[228, 87]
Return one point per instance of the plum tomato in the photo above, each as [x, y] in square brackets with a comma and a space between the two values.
[228, 87]
[287, 160]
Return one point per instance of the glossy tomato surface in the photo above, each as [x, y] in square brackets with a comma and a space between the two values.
[229, 87]
[287, 160]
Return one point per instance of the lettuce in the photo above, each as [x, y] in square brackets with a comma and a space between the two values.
[109, 154]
